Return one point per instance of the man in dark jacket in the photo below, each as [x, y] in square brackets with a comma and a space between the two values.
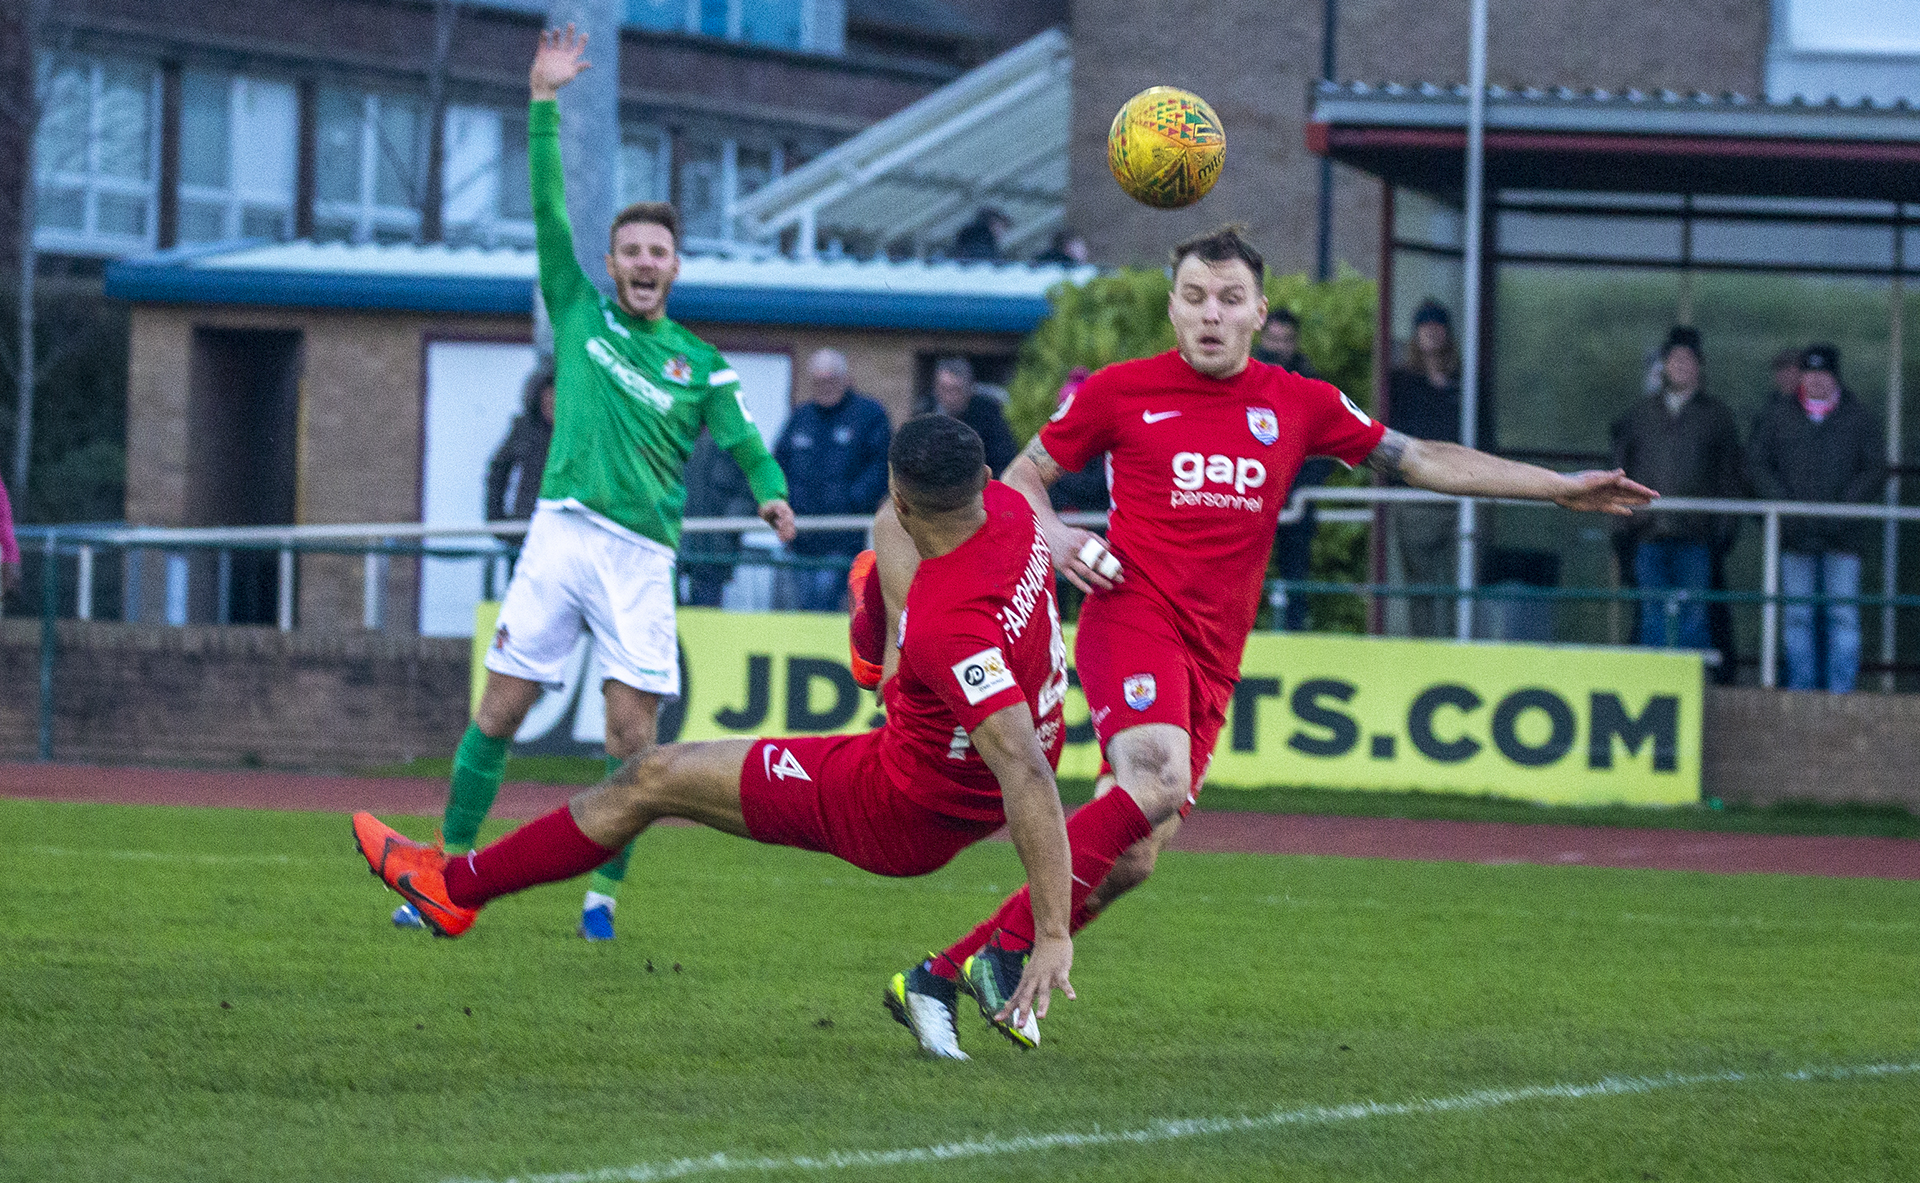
[1683, 442]
[834, 452]
[1293, 541]
[1423, 401]
[1823, 445]
[954, 396]
[716, 488]
[513, 476]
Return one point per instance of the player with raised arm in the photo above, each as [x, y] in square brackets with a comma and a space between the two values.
[632, 391]
[973, 733]
[1203, 443]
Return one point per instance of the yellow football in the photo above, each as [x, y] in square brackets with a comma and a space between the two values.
[1166, 147]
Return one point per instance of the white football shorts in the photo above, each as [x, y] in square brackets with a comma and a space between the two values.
[574, 573]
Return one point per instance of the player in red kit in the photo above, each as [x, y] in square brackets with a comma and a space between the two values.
[973, 732]
[1202, 445]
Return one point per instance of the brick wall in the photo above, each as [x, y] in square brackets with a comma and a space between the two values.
[1254, 61]
[131, 694]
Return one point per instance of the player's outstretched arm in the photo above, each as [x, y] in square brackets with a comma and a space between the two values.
[1011, 748]
[556, 62]
[1452, 468]
[897, 559]
[1080, 556]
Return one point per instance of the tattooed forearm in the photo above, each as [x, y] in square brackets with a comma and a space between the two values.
[1036, 455]
[1389, 456]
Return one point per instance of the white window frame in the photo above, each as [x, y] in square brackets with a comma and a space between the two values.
[234, 202]
[481, 189]
[88, 240]
[730, 195]
[367, 214]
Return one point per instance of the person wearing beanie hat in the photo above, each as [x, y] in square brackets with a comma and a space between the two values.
[1821, 445]
[1684, 442]
[1423, 400]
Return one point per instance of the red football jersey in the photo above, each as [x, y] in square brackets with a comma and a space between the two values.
[980, 632]
[1199, 469]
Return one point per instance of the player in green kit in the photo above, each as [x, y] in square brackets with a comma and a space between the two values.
[632, 391]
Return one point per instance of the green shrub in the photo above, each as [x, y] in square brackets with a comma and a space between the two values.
[1123, 315]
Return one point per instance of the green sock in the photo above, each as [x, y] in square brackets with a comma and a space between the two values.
[479, 765]
[606, 881]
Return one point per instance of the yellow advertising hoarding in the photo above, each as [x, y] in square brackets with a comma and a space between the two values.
[1555, 724]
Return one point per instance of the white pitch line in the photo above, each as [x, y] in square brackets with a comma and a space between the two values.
[1167, 1131]
[162, 856]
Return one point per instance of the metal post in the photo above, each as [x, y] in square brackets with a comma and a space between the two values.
[1770, 610]
[286, 590]
[223, 588]
[49, 637]
[1470, 318]
[177, 588]
[373, 589]
[1890, 529]
[590, 128]
[83, 593]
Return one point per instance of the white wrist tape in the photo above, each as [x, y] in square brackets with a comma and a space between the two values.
[1095, 555]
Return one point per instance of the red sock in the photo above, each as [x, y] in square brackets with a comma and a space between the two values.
[545, 850]
[1097, 833]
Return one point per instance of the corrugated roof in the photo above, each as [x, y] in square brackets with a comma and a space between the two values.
[996, 135]
[843, 292]
[1427, 104]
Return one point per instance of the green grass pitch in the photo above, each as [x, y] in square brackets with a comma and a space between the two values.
[201, 994]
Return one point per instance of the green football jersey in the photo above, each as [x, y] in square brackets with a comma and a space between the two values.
[630, 395]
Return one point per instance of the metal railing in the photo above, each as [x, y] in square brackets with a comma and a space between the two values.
[377, 544]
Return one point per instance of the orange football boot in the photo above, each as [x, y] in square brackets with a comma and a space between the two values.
[867, 626]
[415, 870]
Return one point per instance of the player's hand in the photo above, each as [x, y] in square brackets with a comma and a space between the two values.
[1604, 492]
[557, 62]
[778, 514]
[10, 577]
[1089, 568]
[1046, 971]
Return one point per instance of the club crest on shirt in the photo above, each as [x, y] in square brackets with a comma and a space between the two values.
[1263, 423]
[678, 369]
[1139, 691]
[500, 637]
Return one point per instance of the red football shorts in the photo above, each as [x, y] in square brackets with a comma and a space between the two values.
[1135, 669]
[829, 793]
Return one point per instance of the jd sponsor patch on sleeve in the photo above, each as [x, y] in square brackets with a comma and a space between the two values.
[983, 675]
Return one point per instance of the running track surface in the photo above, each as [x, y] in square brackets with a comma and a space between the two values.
[1492, 843]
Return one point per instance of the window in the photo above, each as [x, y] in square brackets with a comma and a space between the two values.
[489, 199]
[643, 165]
[368, 166]
[238, 141]
[816, 25]
[95, 157]
[1871, 27]
[713, 177]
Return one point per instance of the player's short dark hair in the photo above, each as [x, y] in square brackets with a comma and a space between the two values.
[657, 213]
[1228, 242]
[938, 462]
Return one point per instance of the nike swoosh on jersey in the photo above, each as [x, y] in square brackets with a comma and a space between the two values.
[1157, 416]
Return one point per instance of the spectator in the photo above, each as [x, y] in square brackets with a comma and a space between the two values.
[513, 476]
[1293, 541]
[982, 237]
[1786, 376]
[9, 546]
[1084, 491]
[716, 488]
[834, 452]
[1067, 250]
[1823, 445]
[1683, 442]
[954, 395]
[1423, 400]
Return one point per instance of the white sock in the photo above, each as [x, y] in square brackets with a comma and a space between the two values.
[597, 900]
